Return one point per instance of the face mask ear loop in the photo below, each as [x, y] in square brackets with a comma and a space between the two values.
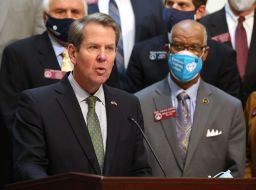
[202, 53]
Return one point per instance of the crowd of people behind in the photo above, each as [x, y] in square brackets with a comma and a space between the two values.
[76, 76]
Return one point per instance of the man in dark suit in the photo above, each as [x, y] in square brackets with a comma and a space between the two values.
[53, 131]
[140, 20]
[148, 62]
[196, 129]
[221, 26]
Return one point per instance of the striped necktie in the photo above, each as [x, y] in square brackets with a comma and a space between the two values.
[93, 125]
[114, 13]
[183, 124]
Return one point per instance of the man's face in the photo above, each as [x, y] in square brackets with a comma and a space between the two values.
[66, 9]
[183, 5]
[191, 38]
[94, 61]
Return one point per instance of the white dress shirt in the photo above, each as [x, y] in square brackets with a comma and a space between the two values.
[100, 106]
[232, 21]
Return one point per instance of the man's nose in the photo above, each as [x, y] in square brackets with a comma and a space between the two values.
[69, 14]
[102, 55]
[176, 6]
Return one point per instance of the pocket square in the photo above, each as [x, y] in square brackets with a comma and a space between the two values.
[212, 133]
[222, 37]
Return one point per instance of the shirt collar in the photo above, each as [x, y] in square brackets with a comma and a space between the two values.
[81, 94]
[233, 16]
[191, 91]
[57, 47]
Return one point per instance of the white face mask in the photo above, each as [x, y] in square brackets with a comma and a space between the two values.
[241, 5]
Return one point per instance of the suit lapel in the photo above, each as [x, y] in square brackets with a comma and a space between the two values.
[113, 127]
[68, 102]
[46, 55]
[204, 104]
[162, 100]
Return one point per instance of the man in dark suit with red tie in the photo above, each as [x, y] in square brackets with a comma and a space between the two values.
[222, 26]
[54, 132]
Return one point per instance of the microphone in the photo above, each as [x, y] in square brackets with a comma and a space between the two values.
[150, 147]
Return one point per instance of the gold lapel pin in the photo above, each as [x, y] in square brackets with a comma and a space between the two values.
[113, 103]
[206, 101]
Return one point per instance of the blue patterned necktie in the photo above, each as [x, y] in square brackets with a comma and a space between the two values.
[93, 125]
[114, 13]
[183, 124]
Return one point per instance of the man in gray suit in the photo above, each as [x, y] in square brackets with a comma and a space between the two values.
[196, 129]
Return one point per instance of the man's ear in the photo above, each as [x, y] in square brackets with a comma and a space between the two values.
[45, 17]
[206, 51]
[200, 12]
[72, 52]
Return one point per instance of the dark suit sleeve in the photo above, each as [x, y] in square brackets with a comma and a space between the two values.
[11, 83]
[30, 160]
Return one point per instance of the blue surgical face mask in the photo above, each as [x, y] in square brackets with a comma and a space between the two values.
[172, 16]
[59, 27]
[184, 65]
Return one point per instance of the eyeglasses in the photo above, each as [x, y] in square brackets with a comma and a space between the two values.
[180, 47]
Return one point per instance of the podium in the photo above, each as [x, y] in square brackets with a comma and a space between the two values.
[81, 181]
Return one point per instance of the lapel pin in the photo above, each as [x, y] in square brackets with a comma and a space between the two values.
[113, 103]
[206, 101]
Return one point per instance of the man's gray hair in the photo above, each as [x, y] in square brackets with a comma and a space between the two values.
[76, 33]
[46, 4]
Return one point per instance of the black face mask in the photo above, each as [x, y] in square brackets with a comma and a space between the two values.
[59, 27]
[172, 16]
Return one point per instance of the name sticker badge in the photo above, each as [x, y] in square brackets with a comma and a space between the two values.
[165, 114]
[157, 55]
[54, 74]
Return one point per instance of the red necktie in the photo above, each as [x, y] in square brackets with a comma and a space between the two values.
[241, 46]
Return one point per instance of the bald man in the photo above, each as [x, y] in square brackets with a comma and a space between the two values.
[196, 129]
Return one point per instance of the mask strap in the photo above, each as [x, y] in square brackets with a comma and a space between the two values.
[202, 53]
